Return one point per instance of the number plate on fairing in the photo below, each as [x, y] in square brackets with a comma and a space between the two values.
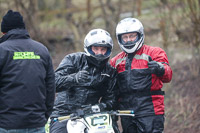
[99, 122]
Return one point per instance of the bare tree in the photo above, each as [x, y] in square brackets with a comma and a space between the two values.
[105, 16]
[68, 3]
[164, 23]
[80, 26]
[134, 6]
[29, 8]
[139, 7]
[111, 14]
[194, 15]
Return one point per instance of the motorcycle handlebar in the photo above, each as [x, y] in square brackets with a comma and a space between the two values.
[118, 113]
[64, 117]
[125, 111]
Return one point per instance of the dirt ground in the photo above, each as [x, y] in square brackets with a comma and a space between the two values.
[182, 99]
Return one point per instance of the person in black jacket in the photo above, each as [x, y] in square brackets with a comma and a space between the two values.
[27, 80]
[83, 78]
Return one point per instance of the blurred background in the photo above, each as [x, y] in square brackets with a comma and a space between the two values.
[173, 25]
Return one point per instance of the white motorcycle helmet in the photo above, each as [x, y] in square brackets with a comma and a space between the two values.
[100, 38]
[130, 25]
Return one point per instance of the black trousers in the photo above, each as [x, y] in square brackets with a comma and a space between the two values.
[147, 124]
[58, 127]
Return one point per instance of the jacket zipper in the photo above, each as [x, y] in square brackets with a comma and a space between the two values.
[128, 68]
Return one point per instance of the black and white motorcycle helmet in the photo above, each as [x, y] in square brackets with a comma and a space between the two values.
[100, 38]
[130, 25]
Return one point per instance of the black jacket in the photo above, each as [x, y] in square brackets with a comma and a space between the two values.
[73, 96]
[27, 81]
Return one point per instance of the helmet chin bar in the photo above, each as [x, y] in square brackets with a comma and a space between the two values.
[129, 43]
[129, 46]
[98, 63]
[100, 57]
[132, 49]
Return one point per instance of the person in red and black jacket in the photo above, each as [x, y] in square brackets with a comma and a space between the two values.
[142, 70]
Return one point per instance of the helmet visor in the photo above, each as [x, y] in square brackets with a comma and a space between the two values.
[129, 39]
[100, 51]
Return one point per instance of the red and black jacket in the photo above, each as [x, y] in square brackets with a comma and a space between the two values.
[140, 90]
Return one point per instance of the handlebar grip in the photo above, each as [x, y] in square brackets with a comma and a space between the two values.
[126, 111]
[63, 117]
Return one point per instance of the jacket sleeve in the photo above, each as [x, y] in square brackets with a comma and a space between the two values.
[50, 88]
[159, 55]
[110, 97]
[1, 59]
[64, 74]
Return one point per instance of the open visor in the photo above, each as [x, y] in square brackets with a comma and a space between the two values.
[100, 56]
[129, 43]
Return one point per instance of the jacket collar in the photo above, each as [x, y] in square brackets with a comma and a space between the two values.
[15, 34]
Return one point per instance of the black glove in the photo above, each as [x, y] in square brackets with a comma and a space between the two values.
[88, 109]
[82, 76]
[102, 106]
[156, 67]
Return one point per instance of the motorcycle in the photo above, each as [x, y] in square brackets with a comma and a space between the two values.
[93, 121]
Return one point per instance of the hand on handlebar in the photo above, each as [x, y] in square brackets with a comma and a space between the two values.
[99, 107]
